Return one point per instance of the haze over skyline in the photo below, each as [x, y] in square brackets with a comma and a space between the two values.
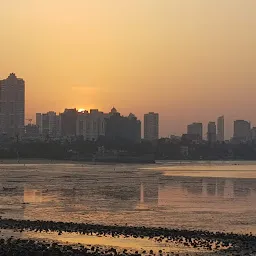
[187, 60]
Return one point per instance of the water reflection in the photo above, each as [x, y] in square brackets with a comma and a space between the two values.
[32, 195]
[211, 187]
[129, 195]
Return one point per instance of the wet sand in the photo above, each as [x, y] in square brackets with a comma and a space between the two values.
[130, 244]
[88, 239]
[121, 199]
[120, 194]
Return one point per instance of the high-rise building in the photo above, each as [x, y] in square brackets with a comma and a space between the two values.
[253, 133]
[48, 123]
[45, 124]
[242, 130]
[68, 120]
[220, 129]
[195, 129]
[12, 106]
[123, 129]
[151, 126]
[91, 125]
[211, 134]
[39, 122]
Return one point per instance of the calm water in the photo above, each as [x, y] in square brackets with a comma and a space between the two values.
[213, 196]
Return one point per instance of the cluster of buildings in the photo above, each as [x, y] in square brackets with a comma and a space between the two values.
[94, 124]
[71, 123]
[215, 133]
[243, 132]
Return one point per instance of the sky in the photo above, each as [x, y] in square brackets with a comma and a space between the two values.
[189, 60]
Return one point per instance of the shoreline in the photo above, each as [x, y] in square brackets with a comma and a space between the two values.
[33, 161]
[17, 247]
[214, 242]
[52, 161]
[157, 162]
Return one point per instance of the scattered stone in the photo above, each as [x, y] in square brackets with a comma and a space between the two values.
[227, 243]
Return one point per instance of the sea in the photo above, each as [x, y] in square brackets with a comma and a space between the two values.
[214, 196]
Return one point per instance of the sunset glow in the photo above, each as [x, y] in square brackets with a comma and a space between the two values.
[188, 60]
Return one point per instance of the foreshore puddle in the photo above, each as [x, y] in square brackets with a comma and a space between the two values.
[120, 243]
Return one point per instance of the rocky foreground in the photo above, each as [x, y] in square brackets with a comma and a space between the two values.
[209, 242]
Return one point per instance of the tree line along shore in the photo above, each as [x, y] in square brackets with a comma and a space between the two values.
[162, 149]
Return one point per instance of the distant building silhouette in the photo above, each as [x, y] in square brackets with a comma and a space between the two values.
[151, 126]
[68, 120]
[188, 138]
[120, 128]
[195, 129]
[211, 134]
[91, 125]
[12, 106]
[220, 129]
[242, 130]
[253, 133]
[49, 124]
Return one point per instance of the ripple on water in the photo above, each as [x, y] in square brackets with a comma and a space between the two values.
[221, 198]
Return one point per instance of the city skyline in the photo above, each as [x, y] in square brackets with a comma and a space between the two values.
[188, 60]
[196, 128]
[91, 124]
[32, 117]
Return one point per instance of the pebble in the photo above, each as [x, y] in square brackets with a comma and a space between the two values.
[227, 243]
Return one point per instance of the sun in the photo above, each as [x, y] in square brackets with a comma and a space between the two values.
[81, 110]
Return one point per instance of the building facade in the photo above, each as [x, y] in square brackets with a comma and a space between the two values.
[91, 125]
[12, 106]
[39, 122]
[220, 129]
[242, 130]
[195, 129]
[68, 120]
[211, 133]
[151, 126]
[49, 124]
[253, 133]
[124, 129]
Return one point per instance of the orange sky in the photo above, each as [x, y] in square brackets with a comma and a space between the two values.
[187, 60]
